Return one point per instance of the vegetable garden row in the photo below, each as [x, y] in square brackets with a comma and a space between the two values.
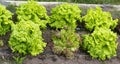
[26, 31]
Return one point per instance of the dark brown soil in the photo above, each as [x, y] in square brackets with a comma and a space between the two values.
[48, 57]
[81, 57]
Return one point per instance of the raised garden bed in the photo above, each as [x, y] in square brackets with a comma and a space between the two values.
[48, 57]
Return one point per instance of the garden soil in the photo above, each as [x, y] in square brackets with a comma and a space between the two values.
[48, 57]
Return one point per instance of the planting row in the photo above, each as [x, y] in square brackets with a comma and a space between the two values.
[26, 31]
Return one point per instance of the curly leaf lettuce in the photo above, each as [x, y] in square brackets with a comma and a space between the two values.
[65, 16]
[26, 38]
[101, 43]
[5, 20]
[34, 12]
[98, 18]
[66, 42]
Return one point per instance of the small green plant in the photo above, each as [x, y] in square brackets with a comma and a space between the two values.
[1, 43]
[98, 18]
[101, 43]
[66, 42]
[65, 16]
[5, 20]
[26, 38]
[34, 12]
[18, 60]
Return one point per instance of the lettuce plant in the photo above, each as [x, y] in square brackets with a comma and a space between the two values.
[65, 16]
[98, 18]
[101, 43]
[26, 38]
[5, 20]
[66, 42]
[34, 12]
